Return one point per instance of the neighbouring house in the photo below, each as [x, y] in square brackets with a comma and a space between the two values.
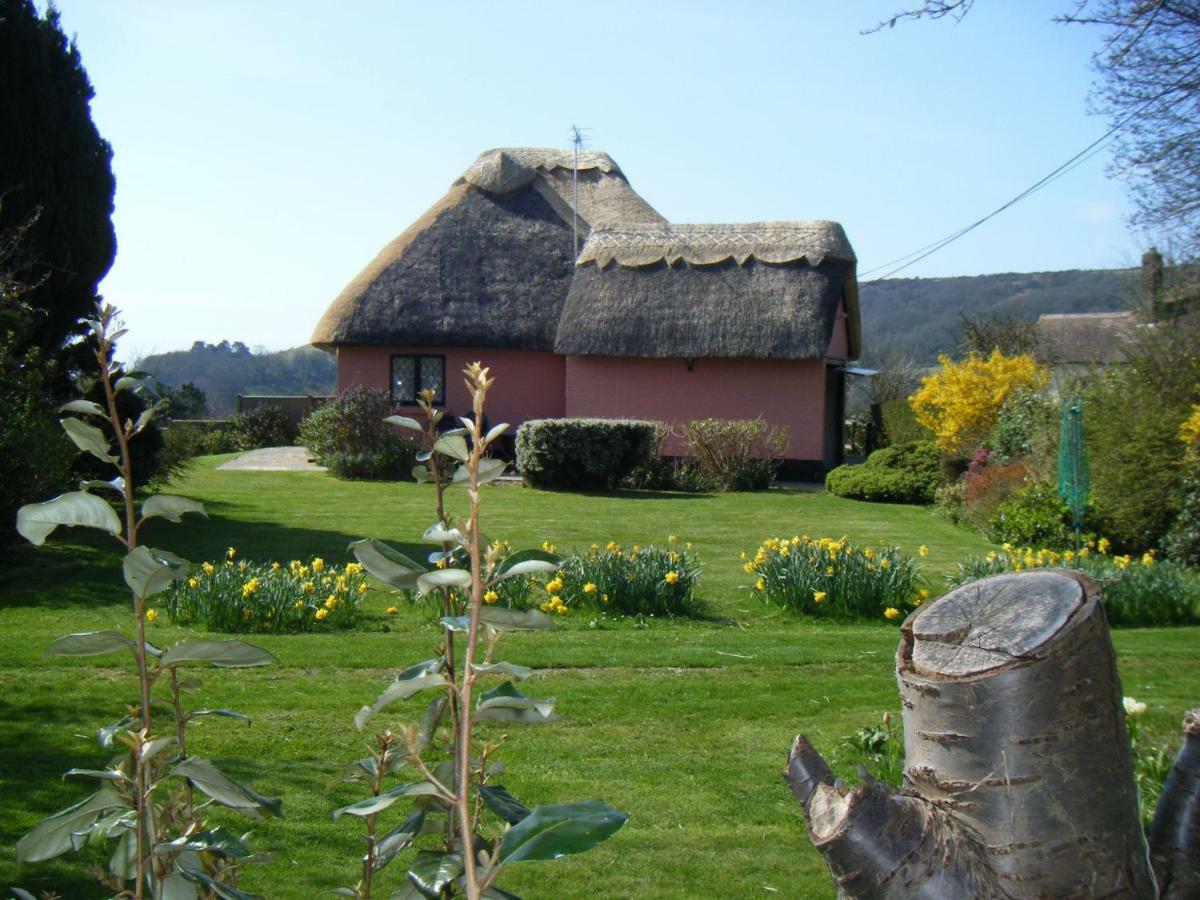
[1076, 342]
[645, 320]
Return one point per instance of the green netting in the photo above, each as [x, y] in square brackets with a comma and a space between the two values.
[1073, 465]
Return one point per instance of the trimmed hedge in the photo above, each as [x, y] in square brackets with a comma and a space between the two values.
[582, 454]
[903, 473]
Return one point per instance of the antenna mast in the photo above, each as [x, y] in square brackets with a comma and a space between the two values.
[577, 140]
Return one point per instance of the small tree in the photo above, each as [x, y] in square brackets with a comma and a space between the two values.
[960, 403]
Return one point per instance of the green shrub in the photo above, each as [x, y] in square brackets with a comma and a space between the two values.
[582, 454]
[825, 577]
[641, 581]
[900, 423]
[735, 454]
[1033, 515]
[902, 473]
[231, 596]
[1136, 592]
[349, 436]
[1027, 425]
[218, 440]
[1182, 543]
[263, 426]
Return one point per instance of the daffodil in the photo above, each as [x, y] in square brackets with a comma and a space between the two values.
[151, 615]
[671, 577]
[193, 583]
[922, 550]
[391, 610]
[491, 597]
[589, 588]
[819, 596]
[891, 613]
[322, 614]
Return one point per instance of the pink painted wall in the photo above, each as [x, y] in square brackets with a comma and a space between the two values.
[784, 392]
[839, 341]
[529, 384]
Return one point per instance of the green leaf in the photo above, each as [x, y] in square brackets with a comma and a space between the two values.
[89, 439]
[52, 837]
[495, 893]
[430, 720]
[433, 870]
[214, 840]
[171, 508]
[222, 654]
[123, 862]
[411, 681]
[87, 407]
[372, 805]
[224, 790]
[528, 556]
[405, 422]
[422, 475]
[386, 563]
[105, 736]
[222, 891]
[407, 892]
[89, 643]
[454, 446]
[36, 520]
[21, 894]
[175, 886]
[155, 747]
[431, 581]
[149, 571]
[529, 567]
[503, 804]
[495, 431]
[512, 670]
[502, 619]
[102, 774]
[506, 704]
[560, 829]
[128, 383]
[399, 838]
[225, 713]
[116, 485]
[489, 470]
[439, 534]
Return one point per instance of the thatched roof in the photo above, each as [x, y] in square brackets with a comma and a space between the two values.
[490, 264]
[760, 290]
[1086, 339]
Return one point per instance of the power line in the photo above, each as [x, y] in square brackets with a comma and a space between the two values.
[1078, 159]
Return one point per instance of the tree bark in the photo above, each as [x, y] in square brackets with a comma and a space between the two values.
[1175, 833]
[1018, 779]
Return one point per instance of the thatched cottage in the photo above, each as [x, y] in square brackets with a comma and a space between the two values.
[648, 320]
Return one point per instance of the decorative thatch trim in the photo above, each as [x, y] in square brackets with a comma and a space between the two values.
[772, 242]
[1084, 339]
[507, 169]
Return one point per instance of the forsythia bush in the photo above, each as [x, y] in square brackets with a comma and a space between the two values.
[960, 403]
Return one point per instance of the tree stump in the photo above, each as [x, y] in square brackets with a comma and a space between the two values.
[1018, 778]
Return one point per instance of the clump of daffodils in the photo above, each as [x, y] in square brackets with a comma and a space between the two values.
[828, 576]
[242, 596]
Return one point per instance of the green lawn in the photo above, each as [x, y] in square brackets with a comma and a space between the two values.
[684, 725]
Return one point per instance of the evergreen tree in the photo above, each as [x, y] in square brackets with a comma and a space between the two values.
[55, 172]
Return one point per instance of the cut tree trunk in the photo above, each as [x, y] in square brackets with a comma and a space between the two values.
[1175, 834]
[1018, 778]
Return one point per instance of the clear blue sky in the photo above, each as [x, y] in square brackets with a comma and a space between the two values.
[266, 150]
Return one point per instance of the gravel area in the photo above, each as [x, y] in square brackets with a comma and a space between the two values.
[272, 459]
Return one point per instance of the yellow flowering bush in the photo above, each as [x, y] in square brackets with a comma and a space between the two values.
[249, 596]
[831, 577]
[638, 581]
[959, 404]
[1137, 590]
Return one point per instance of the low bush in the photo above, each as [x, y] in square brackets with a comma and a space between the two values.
[582, 454]
[825, 577]
[641, 581]
[231, 596]
[735, 454]
[1182, 543]
[900, 425]
[1027, 425]
[1033, 515]
[263, 426]
[902, 473]
[1136, 591]
[348, 435]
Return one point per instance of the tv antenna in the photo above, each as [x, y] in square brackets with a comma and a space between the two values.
[579, 138]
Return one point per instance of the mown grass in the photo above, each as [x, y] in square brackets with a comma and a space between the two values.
[685, 725]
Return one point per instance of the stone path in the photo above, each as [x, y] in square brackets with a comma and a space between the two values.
[272, 459]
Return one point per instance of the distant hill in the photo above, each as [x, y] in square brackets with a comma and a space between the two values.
[225, 370]
[921, 317]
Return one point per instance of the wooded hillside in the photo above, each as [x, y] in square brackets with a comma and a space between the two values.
[922, 317]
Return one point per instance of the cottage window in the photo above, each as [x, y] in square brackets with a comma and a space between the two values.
[413, 374]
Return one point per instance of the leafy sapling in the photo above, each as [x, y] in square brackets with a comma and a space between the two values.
[147, 800]
[467, 828]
